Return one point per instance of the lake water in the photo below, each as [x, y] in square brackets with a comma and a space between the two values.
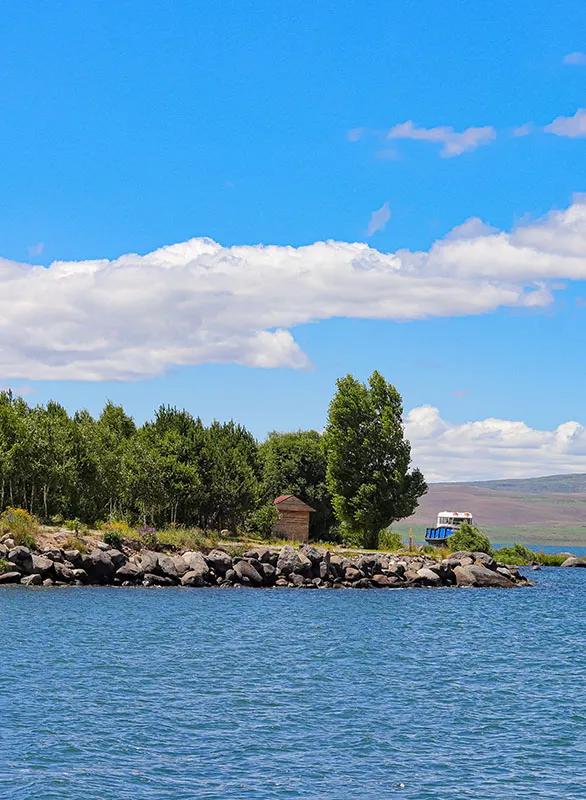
[172, 694]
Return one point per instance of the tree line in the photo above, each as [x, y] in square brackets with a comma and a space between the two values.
[175, 470]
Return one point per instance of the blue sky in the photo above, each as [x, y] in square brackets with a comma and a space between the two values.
[127, 126]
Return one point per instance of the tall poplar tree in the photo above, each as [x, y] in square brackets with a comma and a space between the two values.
[368, 456]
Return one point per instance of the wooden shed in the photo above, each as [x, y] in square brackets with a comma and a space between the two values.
[293, 522]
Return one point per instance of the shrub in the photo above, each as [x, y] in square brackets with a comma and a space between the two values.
[469, 537]
[390, 540]
[113, 538]
[75, 525]
[119, 526]
[186, 538]
[148, 537]
[5, 566]
[517, 555]
[521, 556]
[75, 543]
[21, 525]
[550, 559]
[261, 521]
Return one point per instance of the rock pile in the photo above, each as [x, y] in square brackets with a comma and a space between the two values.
[308, 567]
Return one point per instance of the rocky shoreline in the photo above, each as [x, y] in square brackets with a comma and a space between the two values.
[309, 567]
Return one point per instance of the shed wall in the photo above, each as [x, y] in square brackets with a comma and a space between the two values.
[292, 525]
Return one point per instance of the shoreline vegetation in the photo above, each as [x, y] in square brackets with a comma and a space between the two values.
[174, 471]
[174, 485]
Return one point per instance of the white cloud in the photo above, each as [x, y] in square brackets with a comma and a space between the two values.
[577, 58]
[524, 130]
[453, 143]
[378, 219]
[492, 448]
[571, 127]
[198, 302]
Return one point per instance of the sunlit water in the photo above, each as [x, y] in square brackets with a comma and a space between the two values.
[169, 694]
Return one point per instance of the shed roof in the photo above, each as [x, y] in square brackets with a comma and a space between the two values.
[292, 503]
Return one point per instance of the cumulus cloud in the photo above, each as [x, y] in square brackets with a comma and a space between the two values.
[573, 127]
[492, 448]
[198, 302]
[453, 143]
[576, 59]
[378, 219]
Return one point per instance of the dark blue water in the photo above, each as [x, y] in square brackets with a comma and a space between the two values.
[173, 694]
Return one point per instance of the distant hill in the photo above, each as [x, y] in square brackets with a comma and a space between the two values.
[547, 510]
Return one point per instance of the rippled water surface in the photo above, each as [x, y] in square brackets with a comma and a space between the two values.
[266, 694]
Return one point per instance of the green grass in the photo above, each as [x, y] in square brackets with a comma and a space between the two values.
[188, 538]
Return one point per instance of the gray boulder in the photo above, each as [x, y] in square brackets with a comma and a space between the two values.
[196, 563]
[129, 572]
[150, 579]
[10, 577]
[270, 573]
[74, 556]
[180, 565]
[168, 567]
[63, 573]
[259, 553]
[192, 578]
[22, 559]
[230, 576]
[117, 557]
[429, 577]
[397, 568]
[484, 559]
[384, 581]
[337, 566]
[42, 566]
[219, 561]
[291, 560]
[573, 561]
[80, 575]
[32, 580]
[477, 575]
[248, 573]
[149, 561]
[54, 553]
[99, 566]
[353, 574]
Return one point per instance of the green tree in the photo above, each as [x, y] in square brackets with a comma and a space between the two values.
[230, 471]
[295, 463]
[368, 457]
[469, 537]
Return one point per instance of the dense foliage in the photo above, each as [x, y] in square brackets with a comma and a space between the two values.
[295, 463]
[520, 556]
[469, 537]
[368, 472]
[174, 471]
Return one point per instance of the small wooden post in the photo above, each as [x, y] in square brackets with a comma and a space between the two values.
[411, 542]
